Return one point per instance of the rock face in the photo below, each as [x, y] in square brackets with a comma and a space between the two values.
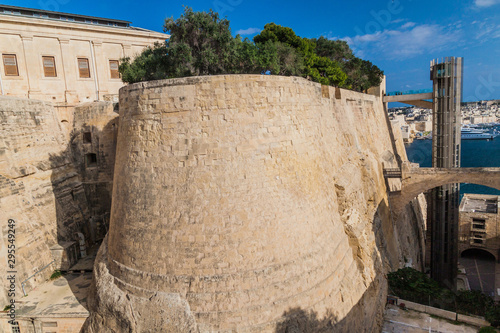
[39, 189]
[249, 203]
[93, 148]
[47, 188]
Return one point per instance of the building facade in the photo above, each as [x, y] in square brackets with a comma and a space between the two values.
[478, 227]
[65, 58]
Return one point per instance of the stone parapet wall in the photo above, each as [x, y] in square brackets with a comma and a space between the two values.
[471, 320]
[241, 201]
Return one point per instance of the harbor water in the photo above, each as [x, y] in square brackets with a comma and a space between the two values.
[475, 153]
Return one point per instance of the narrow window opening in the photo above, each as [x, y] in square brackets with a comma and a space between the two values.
[87, 137]
[90, 160]
[478, 238]
[478, 223]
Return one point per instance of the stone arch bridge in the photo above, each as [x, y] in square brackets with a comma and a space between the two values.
[417, 180]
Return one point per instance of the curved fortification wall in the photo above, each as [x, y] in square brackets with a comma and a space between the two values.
[247, 203]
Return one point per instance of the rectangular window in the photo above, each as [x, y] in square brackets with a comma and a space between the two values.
[10, 64]
[49, 67]
[90, 160]
[478, 223]
[83, 67]
[87, 137]
[478, 238]
[49, 324]
[113, 67]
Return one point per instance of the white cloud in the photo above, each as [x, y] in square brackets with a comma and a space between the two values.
[397, 21]
[249, 31]
[410, 40]
[486, 3]
[408, 25]
[486, 31]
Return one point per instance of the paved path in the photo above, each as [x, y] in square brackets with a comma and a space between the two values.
[480, 273]
[409, 321]
[63, 297]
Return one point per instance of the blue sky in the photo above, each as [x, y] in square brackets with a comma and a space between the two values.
[399, 36]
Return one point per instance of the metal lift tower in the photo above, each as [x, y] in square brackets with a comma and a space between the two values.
[443, 201]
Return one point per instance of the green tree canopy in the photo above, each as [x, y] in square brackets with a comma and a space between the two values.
[337, 50]
[203, 36]
[317, 68]
[361, 74]
[201, 43]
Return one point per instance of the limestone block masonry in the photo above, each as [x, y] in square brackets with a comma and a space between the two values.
[248, 203]
[94, 133]
[39, 188]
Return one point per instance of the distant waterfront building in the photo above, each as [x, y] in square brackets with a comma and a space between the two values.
[424, 126]
[65, 58]
[482, 119]
[479, 222]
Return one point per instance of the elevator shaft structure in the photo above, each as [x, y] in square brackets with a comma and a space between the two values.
[443, 201]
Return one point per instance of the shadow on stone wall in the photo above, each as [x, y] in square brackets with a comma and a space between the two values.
[82, 203]
[367, 314]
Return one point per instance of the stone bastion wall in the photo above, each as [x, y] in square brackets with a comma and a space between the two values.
[248, 203]
[46, 188]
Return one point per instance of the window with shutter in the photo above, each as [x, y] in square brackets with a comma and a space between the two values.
[49, 67]
[10, 64]
[83, 67]
[113, 66]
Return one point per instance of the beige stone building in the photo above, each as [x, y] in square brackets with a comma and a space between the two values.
[478, 226]
[423, 126]
[57, 153]
[65, 58]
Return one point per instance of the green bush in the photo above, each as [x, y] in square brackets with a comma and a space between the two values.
[415, 286]
[487, 329]
[493, 315]
[412, 285]
[473, 302]
[57, 274]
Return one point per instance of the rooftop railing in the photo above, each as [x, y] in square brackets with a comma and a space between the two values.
[409, 92]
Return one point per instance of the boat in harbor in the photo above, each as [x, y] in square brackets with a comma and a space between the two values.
[469, 133]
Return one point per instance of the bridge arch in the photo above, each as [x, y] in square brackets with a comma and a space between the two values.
[419, 180]
[474, 252]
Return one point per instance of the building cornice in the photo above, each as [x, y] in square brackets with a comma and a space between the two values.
[49, 23]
